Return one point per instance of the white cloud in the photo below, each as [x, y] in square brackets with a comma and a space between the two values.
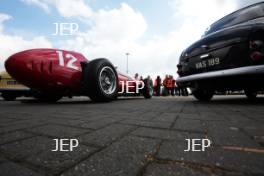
[70, 8]
[113, 33]
[3, 17]
[38, 3]
[66, 8]
[244, 3]
[12, 44]
[198, 15]
[118, 24]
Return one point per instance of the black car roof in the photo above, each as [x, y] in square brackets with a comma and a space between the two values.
[237, 11]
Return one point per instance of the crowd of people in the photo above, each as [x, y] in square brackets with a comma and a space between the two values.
[168, 86]
[165, 87]
[138, 78]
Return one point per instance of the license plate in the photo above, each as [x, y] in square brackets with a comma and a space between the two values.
[207, 63]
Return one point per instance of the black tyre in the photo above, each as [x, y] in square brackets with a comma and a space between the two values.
[203, 95]
[251, 95]
[9, 96]
[148, 89]
[47, 96]
[100, 80]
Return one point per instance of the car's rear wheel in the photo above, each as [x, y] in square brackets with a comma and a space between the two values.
[251, 95]
[203, 94]
[148, 89]
[8, 96]
[100, 80]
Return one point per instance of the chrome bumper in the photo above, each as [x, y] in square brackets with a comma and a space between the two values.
[249, 70]
[14, 89]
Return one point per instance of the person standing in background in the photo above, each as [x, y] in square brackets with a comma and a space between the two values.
[141, 78]
[170, 85]
[157, 85]
[165, 86]
[136, 77]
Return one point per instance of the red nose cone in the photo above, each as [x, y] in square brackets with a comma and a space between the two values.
[45, 69]
[16, 65]
[30, 67]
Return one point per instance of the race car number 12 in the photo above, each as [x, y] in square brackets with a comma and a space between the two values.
[70, 63]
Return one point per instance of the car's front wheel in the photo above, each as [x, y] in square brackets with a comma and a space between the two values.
[100, 80]
[203, 94]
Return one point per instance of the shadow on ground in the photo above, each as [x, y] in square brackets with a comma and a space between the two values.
[237, 100]
[76, 100]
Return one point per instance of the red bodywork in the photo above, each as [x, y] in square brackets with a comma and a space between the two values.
[51, 70]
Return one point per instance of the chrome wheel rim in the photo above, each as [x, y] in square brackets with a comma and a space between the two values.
[107, 80]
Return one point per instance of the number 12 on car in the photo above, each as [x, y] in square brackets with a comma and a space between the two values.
[70, 63]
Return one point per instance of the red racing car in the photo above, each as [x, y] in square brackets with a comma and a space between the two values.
[53, 73]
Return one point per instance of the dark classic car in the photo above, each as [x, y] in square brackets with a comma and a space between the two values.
[228, 57]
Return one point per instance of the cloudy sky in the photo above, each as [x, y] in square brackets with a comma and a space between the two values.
[154, 32]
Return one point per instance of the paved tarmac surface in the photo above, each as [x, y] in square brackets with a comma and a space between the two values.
[133, 137]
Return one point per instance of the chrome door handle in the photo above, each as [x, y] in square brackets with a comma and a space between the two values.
[205, 56]
[205, 47]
